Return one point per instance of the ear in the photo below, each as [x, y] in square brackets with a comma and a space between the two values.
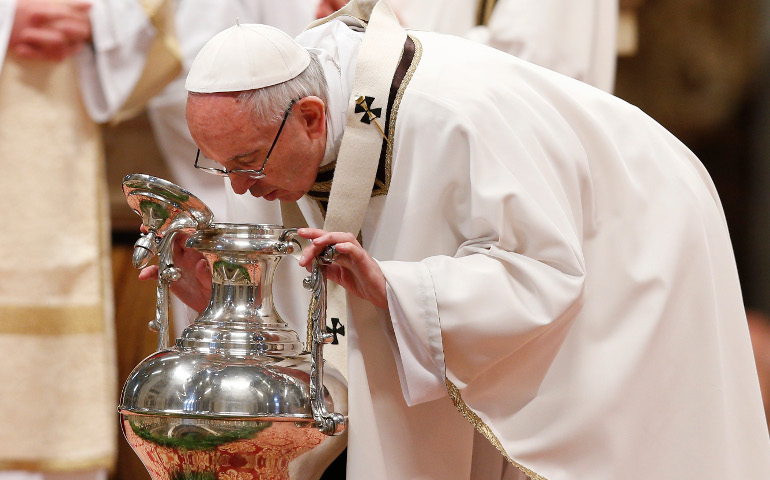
[312, 114]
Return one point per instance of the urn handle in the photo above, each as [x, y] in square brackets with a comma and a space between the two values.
[330, 423]
[166, 209]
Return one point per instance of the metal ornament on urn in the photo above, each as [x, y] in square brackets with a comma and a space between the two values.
[237, 396]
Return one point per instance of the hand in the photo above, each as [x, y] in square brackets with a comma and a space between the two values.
[327, 7]
[50, 30]
[194, 286]
[355, 269]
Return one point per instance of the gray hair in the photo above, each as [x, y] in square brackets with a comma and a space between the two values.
[269, 104]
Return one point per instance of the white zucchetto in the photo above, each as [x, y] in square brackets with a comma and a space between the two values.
[246, 57]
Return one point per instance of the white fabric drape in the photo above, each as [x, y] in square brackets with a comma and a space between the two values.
[57, 112]
[576, 38]
[108, 72]
[562, 261]
[7, 14]
[121, 37]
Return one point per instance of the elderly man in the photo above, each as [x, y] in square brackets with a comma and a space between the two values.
[540, 281]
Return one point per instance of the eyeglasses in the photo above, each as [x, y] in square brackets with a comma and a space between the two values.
[253, 174]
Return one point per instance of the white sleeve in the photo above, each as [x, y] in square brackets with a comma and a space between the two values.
[7, 14]
[455, 314]
[576, 38]
[416, 346]
[121, 36]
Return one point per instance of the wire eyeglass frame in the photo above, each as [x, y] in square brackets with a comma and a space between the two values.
[252, 174]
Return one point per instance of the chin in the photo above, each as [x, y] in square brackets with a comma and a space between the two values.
[280, 195]
[290, 196]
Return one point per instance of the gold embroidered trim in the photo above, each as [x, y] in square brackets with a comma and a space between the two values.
[320, 190]
[323, 188]
[484, 11]
[394, 114]
[483, 428]
[52, 321]
[106, 462]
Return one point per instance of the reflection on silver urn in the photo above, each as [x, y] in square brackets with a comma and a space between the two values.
[238, 396]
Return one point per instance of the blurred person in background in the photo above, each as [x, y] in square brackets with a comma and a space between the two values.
[65, 66]
[576, 38]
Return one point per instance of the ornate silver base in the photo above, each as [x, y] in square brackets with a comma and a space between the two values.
[179, 448]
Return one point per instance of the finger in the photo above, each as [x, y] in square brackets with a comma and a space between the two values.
[311, 251]
[149, 273]
[325, 241]
[310, 233]
[319, 243]
[179, 243]
[27, 52]
[319, 236]
[58, 54]
[31, 52]
[203, 276]
[79, 5]
[203, 273]
[43, 38]
[334, 274]
[63, 10]
[323, 235]
[354, 262]
[349, 254]
[74, 31]
[329, 238]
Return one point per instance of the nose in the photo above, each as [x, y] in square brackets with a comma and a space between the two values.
[240, 183]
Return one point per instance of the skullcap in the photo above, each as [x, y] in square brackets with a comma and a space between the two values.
[246, 57]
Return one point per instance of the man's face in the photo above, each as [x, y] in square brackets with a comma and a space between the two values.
[231, 136]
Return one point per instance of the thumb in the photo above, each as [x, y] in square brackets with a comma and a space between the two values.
[202, 272]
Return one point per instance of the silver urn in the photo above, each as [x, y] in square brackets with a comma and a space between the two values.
[237, 396]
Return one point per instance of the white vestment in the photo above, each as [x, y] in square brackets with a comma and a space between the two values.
[559, 276]
[108, 71]
[60, 347]
[576, 38]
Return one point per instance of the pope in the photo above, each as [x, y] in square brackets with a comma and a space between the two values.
[539, 277]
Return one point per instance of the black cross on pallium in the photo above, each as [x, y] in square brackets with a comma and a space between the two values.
[337, 328]
[365, 105]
